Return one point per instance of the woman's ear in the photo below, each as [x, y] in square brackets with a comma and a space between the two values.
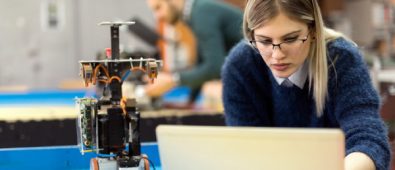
[313, 35]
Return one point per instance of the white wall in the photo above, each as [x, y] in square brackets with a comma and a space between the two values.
[38, 57]
[94, 38]
[359, 12]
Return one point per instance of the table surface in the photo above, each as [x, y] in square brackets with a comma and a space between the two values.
[57, 105]
[58, 97]
[54, 104]
[59, 157]
[38, 105]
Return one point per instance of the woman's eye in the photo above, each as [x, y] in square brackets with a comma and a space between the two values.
[290, 39]
[265, 42]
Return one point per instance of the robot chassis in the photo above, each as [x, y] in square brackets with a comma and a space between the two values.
[110, 127]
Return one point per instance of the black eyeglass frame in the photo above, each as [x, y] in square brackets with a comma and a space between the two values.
[253, 42]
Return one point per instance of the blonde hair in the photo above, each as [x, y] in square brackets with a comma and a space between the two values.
[258, 12]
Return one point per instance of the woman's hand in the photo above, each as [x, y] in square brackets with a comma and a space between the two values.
[358, 161]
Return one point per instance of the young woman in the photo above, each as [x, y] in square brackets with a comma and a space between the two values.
[294, 72]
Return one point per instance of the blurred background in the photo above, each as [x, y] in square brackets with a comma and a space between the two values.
[41, 42]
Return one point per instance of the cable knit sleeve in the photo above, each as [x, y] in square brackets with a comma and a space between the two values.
[357, 104]
[241, 95]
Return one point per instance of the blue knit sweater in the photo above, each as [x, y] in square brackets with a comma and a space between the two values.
[252, 97]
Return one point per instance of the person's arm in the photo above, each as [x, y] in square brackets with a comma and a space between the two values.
[357, 110]
[239, 110]
[211, 22]
[238, 102]
[211, 53]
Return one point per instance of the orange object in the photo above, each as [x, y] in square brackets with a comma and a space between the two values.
[123, 105]
[96, 70]
[137, 68]
[114, 78]
[146, 163]
[94, 164]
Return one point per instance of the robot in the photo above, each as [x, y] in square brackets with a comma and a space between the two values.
[110, 126]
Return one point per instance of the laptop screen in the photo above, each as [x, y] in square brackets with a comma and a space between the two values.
[202, 147]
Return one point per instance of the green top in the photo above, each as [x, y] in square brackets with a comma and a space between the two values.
[217, 27]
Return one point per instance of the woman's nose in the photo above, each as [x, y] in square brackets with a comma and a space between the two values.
[277, 53]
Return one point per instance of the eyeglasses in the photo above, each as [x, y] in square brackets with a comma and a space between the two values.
[266, 47]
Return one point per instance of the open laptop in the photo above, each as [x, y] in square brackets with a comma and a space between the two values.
[255, 148]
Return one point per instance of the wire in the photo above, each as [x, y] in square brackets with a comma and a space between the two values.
[137, 68]
[89, 150]
[123, 105]
[112, 78]
[127, 73]
[104, 69]
[150, 162]
[106, 155]
[96, 70]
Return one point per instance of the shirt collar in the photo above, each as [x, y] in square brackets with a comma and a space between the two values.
[187, 9]
[298, 78]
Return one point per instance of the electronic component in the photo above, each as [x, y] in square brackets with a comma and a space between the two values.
[110, 126]
[87, 108]
[87, 74]
[152, 70]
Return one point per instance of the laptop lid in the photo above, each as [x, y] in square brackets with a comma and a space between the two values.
[236, 148]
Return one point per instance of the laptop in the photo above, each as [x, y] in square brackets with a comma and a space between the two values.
[255, 148]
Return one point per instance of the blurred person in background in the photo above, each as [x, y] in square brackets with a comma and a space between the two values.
[294, 72]
[216, 27]
[380, 49]
[393, 46]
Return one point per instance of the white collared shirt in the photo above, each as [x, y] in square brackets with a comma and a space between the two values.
[298, 78]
